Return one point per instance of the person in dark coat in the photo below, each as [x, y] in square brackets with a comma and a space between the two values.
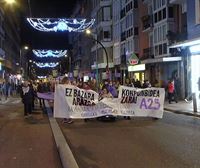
[41, 89]
[27, 98]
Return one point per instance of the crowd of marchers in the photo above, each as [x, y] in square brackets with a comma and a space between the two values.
[106, 88]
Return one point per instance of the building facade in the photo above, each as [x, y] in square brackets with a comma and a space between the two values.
[190, 48]
[2, 51]
[10, 44]
[102, 32]
[80, 56]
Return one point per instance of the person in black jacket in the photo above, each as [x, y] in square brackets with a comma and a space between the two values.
[27, 98]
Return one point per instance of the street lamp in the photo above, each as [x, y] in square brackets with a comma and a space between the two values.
[26, 47]
[10, 1]
[89, 33]
[22, 53]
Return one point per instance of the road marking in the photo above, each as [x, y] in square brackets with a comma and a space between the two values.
[16, 101]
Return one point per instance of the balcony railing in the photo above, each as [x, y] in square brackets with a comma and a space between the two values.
[147, 21]
[175, 37]
[147, 53]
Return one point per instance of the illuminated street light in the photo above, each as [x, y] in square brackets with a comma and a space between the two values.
[89, 33]
[26, 47]
[9, 1]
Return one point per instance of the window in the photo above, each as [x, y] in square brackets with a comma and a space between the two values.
[170, 12]
[106, 34]
[155, 17]
[197, 11]
[164, 13]
[159, 16]
[136, 31]
[106, 13]
[160, 49]
[135, 4]
[165, 48]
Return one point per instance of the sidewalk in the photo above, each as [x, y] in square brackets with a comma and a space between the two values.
[26, 143]
[182, 107]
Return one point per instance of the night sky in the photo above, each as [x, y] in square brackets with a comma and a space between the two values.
[45, 40]
[46, 8]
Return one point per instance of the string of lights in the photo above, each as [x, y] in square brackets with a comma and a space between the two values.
[49, 53]
[47, 65]
[60, 24]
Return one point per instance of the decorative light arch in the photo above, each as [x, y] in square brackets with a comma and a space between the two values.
[60, 24]
[49, 53]
[47, 65]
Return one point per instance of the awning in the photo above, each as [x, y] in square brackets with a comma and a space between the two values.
[160, 60]
[186, 43]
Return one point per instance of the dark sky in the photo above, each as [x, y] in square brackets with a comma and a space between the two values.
[46, 8]
[45, 40]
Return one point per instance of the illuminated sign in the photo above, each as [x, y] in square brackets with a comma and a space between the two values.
[135, 68]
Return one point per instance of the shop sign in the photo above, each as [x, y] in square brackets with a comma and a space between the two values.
[133, 59]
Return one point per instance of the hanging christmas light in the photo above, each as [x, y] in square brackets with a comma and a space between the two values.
[60, 24]
[49, 53]
[47, 65]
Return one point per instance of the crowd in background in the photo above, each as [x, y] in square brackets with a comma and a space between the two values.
[106, 88]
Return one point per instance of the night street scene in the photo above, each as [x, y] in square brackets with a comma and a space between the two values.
[99, 83]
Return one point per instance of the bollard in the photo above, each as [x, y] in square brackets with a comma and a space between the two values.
[194, 102]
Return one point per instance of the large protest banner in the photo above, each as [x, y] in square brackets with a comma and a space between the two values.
[138, 102]
[71, 101]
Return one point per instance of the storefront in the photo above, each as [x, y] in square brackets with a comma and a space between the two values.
[193, 66]
[137, 72]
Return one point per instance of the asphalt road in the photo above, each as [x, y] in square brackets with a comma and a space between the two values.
[172, 142]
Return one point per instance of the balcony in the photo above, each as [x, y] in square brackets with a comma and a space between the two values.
[179, 2]
[146, 1]
[147, 22]
[147, 53]
[175, 37]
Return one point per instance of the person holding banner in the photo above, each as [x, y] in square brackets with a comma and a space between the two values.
[66, 81]
[27, 98]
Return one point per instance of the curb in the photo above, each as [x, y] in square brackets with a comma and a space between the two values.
[66, 156]
[183, 112]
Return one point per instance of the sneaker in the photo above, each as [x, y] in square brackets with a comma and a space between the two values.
[26, 116]
[69, 121]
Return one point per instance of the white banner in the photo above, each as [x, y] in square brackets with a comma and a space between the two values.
[71, 101]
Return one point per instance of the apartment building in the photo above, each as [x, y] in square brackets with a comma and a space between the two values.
[102, 32]
[161, 23]
[190, 48]
[9, 43]
[2, 38]
[80, 57]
